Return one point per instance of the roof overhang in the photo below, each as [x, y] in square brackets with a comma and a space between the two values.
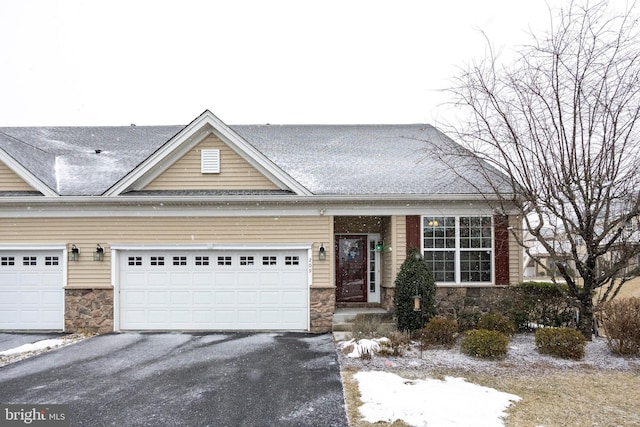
[259, 205]
[25, 175]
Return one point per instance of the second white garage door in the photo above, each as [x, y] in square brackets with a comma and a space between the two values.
[214, 290]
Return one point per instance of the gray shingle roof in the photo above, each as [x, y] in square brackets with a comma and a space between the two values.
[368, 159]
[65, 158]
[326, 159]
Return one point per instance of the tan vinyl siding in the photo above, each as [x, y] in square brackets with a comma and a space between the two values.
[87, 232]
[515, 252]
[395, 248]
[9, 181]
[235, 172]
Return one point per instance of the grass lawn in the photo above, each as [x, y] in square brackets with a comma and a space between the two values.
[554, 397]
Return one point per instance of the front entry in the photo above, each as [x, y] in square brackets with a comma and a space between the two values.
[351, 268]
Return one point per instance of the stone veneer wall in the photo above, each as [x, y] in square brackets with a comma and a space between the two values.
[451, 301]
[323, 304]
[88, 311]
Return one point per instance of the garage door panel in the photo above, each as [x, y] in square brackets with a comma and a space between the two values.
[31, 292]
[248, 278]
[51, 279]
[224, 278]
[225, 297]
[248, 298]
[294, 298]
[181, 298]
[202, 297]
[52, 298]
[180, 279]
[270, 297]
[215, 290]
[8, 299]
[225, 317]
[31, 279]
[154, 298]
[202, 279]
[270, 278]
[157, 279]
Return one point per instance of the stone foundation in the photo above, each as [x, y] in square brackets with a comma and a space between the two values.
[88, 311]
[323, 304]
[451, 302]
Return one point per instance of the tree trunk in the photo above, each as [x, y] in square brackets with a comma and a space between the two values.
[585, 320]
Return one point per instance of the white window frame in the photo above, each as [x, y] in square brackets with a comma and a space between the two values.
[458, 249]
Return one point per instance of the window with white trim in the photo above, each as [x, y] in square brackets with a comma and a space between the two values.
[459, 249]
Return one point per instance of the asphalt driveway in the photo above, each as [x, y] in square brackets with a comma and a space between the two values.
[186, 379]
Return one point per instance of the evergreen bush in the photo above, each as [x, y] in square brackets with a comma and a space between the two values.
[566, 343]
[414, 278]
[484, 344]
[536, 304]
[440, 331]
[497, 322]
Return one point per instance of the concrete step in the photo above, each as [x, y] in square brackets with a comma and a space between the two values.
[344, 318]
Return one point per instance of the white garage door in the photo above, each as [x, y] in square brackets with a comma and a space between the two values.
[214, 290]
[31, 290]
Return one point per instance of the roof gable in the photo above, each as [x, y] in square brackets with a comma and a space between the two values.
[187, 140]
[10, 181]
[15, 168]
[79, 161]
[234, 173]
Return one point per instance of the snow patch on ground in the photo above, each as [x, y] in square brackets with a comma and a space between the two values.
[363, 346]
[388, 397]
[38, 345]
[31, 349]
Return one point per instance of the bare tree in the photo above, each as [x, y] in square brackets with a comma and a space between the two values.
[560, 122]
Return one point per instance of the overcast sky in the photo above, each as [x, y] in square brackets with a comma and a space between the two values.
[164, 62]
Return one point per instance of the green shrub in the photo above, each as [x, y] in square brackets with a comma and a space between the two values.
[440, 331]
[414, 276]
[468, 319]
[620, 320]
[536, 303]
[497, 322]
[485, 344]
[566, 343]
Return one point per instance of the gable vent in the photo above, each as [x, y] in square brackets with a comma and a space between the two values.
[210, 161]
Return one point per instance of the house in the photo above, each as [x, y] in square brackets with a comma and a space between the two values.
[217, 227]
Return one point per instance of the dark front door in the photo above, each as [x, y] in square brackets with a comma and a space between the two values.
[351, 268]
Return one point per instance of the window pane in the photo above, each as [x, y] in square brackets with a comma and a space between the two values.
[439, 232]
[475, 266]
[475, 232]
[441, 264]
